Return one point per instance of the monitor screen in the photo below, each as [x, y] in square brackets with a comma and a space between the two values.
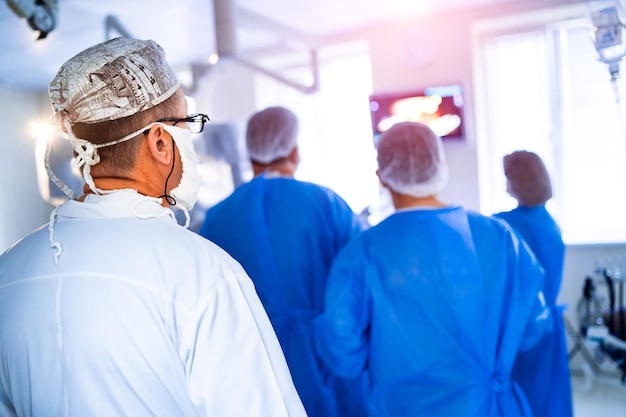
[439, 107]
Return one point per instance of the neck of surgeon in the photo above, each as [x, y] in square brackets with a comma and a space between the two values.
[403, 201]
[285, 167]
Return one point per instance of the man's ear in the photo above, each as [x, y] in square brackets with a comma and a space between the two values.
[383, 183]
[294, 156]
[160, 144]
[380, 179]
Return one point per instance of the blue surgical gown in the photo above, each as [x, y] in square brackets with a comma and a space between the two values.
[285, 233]
[543, 372]
[435, 304]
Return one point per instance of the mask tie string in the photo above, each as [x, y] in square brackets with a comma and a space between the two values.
[53, 243]
[56, 180]
[165, 212]
[187, 217]
[148, 215]
[87, 153]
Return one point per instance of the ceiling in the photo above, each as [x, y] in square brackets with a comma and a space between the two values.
[186, 28]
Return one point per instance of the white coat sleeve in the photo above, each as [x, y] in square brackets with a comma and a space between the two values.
[233, 360]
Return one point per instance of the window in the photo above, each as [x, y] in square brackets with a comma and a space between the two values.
[544, 90]
[336, 140]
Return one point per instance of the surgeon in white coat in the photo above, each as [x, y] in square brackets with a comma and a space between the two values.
[114, 309]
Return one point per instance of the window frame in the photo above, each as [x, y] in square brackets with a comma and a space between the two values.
[549, 22]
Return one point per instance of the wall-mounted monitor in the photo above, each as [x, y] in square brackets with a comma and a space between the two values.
[440, 107]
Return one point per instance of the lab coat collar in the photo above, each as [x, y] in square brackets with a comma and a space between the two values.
[118, 204]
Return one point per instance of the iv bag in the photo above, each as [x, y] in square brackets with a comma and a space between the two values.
[608, 31]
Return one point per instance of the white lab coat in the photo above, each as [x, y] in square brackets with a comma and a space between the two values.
[140, 317]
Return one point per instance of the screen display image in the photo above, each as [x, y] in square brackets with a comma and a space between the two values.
[439, 107]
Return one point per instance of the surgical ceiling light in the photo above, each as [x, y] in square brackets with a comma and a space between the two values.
[40, 14]
[609, 36]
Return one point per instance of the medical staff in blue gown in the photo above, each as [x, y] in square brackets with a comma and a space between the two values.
[435, 301]
[542, 372]
[285, 233]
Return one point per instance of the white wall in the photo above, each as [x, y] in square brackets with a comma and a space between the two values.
[22, 209]
[415, 54]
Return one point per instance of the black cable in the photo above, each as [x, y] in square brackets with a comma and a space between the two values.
[621, 313]
[609, 283]
[171, 200]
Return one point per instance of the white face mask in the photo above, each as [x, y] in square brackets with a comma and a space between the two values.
[186, 193]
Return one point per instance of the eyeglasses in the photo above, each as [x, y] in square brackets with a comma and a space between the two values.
[195, 122]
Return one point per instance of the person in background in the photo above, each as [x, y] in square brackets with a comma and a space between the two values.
[434, 301]
[543, 371]
[113, 309]
[285, 233]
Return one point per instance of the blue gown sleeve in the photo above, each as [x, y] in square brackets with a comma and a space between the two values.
[538, 324]
[341, 332]
[347, 223]
[530, 269]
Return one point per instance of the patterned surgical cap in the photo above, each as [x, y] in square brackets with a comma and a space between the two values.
[111, 80]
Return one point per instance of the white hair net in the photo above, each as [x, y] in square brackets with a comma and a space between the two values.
[527, 177]
[411, 160]
[271, 134]
[111, 80]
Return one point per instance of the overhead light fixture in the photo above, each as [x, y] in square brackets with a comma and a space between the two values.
[609, 36]
[40, 14]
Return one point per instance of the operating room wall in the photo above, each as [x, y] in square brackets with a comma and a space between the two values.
[412, 54]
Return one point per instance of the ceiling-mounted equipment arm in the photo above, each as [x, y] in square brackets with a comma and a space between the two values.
[112, 23]
[225, 15]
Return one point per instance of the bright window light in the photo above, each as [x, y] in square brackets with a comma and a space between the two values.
[561, 105]
[336, 140]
